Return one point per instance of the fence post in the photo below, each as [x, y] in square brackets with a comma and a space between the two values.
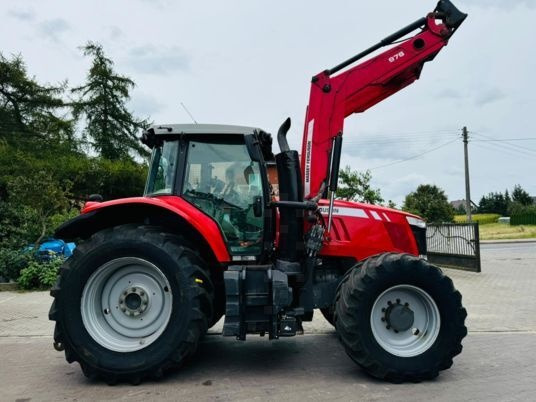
[477, 246]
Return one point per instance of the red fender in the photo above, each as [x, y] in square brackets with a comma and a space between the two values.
[205, 225]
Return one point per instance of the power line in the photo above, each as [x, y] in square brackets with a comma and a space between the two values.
[398, 139]
[504, 151]
[391, 135]
[415, 156]
[515, 147]
[509, 139]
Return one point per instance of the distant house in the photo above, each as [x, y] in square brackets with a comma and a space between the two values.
[457, 204]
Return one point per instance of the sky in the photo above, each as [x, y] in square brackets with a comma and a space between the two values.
[250, 63]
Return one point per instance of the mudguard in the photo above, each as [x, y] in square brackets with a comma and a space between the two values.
[171, 211]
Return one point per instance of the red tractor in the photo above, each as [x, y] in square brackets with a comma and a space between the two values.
[208, 238]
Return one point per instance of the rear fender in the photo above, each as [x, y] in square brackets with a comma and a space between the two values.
[173, 213]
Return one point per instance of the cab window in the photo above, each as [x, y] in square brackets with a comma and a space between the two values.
[223, 181]
[163, 169]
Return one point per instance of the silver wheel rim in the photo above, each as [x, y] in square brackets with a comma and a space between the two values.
[126, 304]
[422, 333]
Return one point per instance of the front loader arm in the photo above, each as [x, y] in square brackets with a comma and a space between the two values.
[334, 95]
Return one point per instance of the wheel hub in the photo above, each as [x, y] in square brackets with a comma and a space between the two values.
[133, 301]
[126, 304]
[405, 320]
[399, 317]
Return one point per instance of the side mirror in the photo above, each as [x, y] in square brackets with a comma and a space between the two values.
[257, 206]
[95, 198]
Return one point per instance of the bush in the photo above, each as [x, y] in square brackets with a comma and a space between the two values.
[40, 275]
[517, 208]
[12, 262]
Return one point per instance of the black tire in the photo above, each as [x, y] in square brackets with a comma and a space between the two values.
[191, 306]
[329, 314]
[355, 299]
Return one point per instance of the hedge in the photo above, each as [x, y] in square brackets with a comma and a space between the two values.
[523, 219]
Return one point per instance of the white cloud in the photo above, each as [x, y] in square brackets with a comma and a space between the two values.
[149, 59]
[22, 15]
[54, 28]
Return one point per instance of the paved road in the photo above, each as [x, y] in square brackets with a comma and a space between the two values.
[512, 250]
[498, 361]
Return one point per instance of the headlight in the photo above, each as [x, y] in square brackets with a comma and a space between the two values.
[416, 222]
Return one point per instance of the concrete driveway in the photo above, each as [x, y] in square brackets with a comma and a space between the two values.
[498, 361]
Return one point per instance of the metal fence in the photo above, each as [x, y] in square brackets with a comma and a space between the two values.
[454, 245]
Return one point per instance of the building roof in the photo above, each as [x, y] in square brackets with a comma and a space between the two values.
[167, 129]
[457, 203]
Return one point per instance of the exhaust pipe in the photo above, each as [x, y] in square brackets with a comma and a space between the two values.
[282, 135]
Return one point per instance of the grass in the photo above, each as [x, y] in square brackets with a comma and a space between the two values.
[480, 218]
[500, 231]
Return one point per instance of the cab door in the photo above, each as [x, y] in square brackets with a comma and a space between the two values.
[223, 180]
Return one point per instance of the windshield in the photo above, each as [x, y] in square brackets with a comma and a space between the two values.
[163, 169]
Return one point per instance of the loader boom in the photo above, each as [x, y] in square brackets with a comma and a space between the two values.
[334, 95]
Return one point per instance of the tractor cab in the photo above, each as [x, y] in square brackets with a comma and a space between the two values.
[220, 170]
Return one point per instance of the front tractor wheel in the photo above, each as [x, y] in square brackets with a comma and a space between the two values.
[130, 303]
[400, 318]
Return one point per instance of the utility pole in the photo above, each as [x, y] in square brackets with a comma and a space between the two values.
[467, 185]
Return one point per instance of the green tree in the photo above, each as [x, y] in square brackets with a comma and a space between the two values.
[494, 203]
[430, 202]
[520, 196]
[355, 186]
[110, 128]
[41, 194]
[391, 204]
[29, 110]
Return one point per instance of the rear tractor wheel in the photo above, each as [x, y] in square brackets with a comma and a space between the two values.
[400, 318]
[130, 303]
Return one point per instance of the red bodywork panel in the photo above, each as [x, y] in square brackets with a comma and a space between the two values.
[359, 230]
[333, 98]
[205, 225]
[362, 230]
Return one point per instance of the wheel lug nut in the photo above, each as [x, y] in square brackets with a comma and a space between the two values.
[406, 304]
[389, 302]
[415, 331]
[383, 310]
[396, 331]
[383, 319]
[388, 327]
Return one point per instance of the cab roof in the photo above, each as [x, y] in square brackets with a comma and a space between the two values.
[170, 129]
